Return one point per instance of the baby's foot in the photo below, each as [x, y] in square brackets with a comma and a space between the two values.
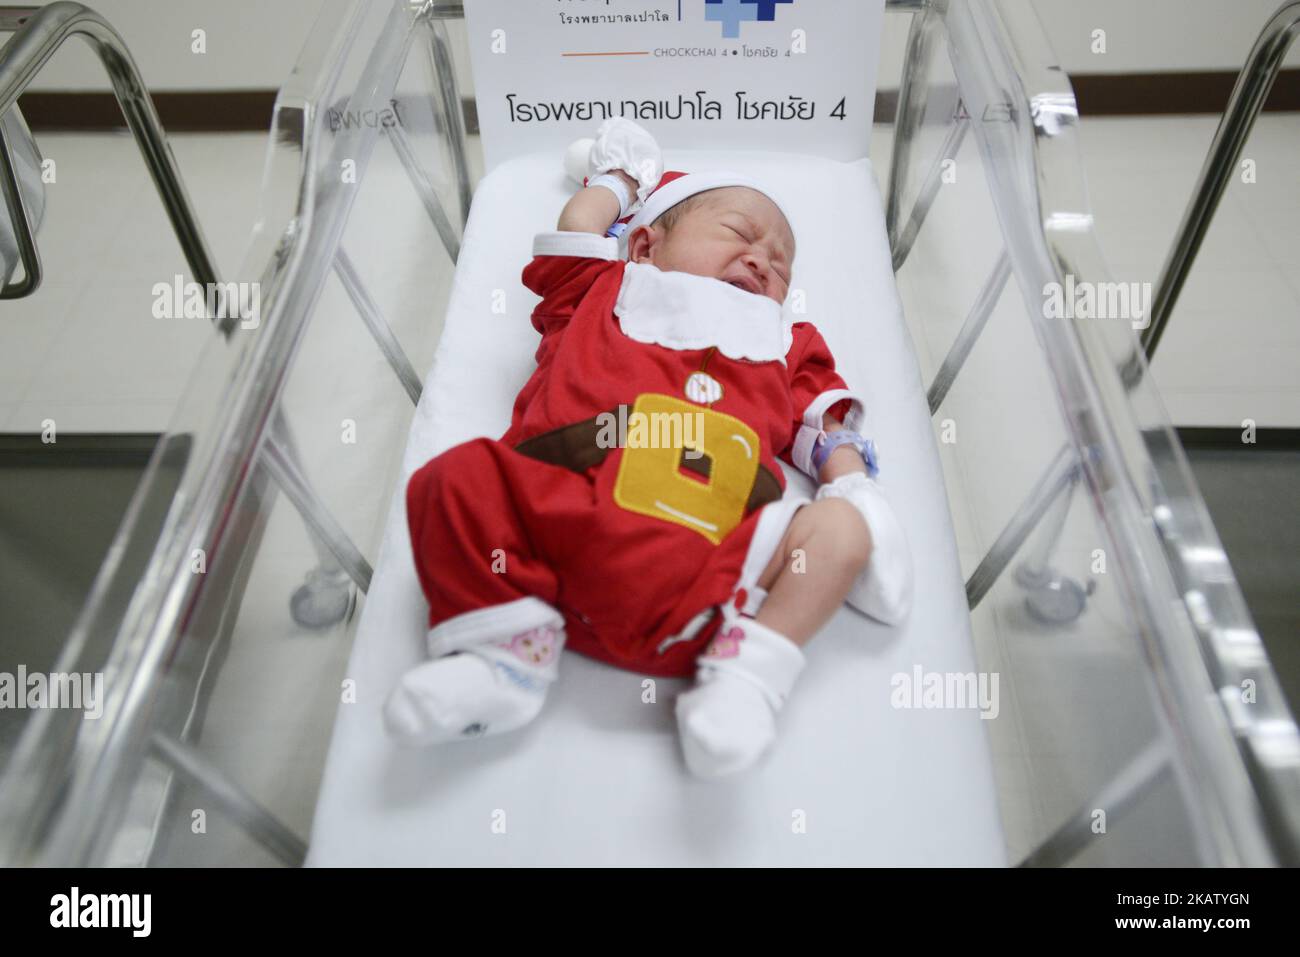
[485, 689]
[728, 719]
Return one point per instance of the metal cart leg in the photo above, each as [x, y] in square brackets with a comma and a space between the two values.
[453, 121]
[901, 244]
[377, 324]
[1116, 799]
[326, 597]
[913, 93]
[970, 331]
[40, 32]
[1248, 96]
[1060, 476]
[231, 799]
[22, 223]
[1052, 597]
[923, 36]
[424, 189]
[453, 116]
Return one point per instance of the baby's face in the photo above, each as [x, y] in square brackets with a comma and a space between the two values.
[734, 234]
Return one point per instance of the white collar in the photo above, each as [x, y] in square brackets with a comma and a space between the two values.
[683, 311]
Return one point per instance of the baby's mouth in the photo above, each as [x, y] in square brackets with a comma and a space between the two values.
[746, 284]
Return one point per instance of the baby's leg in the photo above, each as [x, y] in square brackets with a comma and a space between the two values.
[822, 553]
[496, 641]
[729, 719]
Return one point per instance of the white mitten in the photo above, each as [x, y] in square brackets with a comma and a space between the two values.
[577, 159]
[884, 589]
[623, 145]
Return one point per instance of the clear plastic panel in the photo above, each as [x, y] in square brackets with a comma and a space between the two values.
[208, 592]
[1136, 695]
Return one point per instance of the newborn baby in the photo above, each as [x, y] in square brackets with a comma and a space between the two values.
[634, 510]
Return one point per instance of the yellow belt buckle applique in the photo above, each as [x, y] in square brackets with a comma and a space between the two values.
[706, 493]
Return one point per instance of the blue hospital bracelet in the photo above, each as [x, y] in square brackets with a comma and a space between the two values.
[828, 442]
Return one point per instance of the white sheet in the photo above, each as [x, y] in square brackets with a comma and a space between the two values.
[599, 778]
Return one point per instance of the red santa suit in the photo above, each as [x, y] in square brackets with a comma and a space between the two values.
[637, 490]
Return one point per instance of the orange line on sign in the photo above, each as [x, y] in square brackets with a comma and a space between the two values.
[631, 53]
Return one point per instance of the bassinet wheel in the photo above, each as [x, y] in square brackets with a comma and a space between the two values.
[1057, 601]
[324, 599]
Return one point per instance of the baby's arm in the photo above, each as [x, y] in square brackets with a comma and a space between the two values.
[884, 589]
[595, 208]
[627, 157]
[840, 550]
[844, 460]
[621, 164]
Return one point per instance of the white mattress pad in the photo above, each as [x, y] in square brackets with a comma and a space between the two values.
[598, 778]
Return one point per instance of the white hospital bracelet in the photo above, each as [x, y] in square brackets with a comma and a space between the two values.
[617, 187]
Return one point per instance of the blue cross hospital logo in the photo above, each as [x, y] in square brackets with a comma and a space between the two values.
[731, 13]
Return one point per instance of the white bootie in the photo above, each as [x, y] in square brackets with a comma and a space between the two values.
[884, 589]
[728, 719]
[489, 674]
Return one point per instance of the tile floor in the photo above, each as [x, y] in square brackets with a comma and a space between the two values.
[86, 352]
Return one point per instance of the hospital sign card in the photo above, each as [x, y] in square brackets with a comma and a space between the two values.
[786, 75]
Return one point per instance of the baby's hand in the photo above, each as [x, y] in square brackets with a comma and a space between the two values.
[622, 152]
[623, 146]
[884, 589]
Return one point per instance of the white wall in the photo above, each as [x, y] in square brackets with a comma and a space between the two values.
[1143, 36]
[252, 44]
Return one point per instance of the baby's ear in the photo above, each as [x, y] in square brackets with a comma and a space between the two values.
[641, 243]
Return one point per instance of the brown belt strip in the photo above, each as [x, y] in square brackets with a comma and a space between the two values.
[575, 447]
